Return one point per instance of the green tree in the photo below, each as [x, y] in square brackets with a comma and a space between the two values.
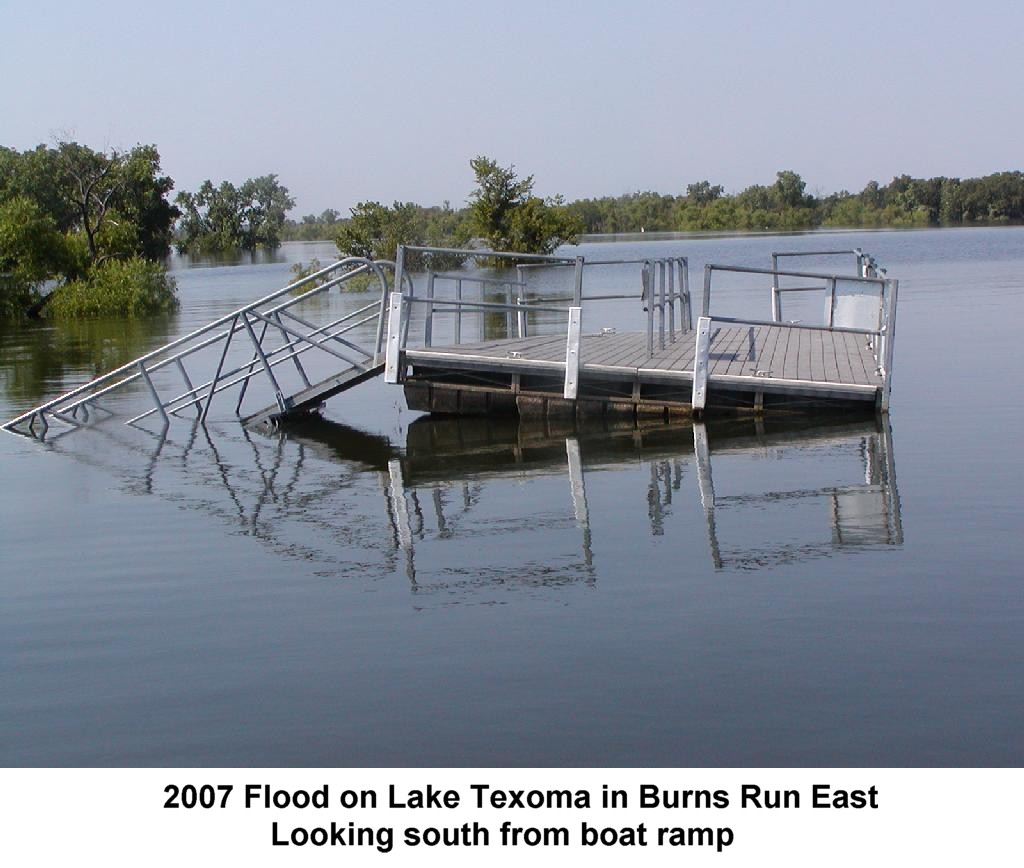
[226, 217]
[504, 211]
[32, 248]
[375, 231]
[129, 287]
[789, 190]
[702, 193]
[118, 198]
[64, 211]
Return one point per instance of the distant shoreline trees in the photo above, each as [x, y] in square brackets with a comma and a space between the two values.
[996, 199]
[69, 214]
[992, 200]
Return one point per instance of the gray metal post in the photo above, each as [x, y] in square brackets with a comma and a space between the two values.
[510, 316]
[577, 286]
[428, 318]
[661, 304]
[672, 265]
[776, 308]
[378, 346]
[705, 305]
[399, 287]
[521, 300]
[458, 312]
[686, 294]
[648, 296]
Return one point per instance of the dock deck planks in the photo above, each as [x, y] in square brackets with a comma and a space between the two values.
[839, 363]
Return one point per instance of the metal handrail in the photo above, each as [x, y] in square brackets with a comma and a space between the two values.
[830, 284]
[470, 302]
[744, 269]
[664, 286]
[795, 325]
[490, 254]
[60, 407]
[882, 336]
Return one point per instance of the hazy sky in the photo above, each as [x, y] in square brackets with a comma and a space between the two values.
[389, 100]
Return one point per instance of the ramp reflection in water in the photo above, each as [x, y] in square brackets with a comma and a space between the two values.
[477, 503]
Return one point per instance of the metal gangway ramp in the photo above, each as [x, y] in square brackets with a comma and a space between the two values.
[250, 343]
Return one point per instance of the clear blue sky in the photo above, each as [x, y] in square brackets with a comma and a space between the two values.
[347, 101]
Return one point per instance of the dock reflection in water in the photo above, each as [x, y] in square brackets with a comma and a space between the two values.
[862, 510]
[476, 504]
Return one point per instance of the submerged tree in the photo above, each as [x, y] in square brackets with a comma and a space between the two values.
[226, 217]
[68, 210]
[504, 211]
[375, 231]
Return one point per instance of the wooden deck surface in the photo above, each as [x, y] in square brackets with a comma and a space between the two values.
[763, 353]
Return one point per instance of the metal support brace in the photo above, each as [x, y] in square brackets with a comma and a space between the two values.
[572, 353]
[278, 394]
[245, 382]
[577, 283]
[188, 385]
[64, 417]
[393, 344]
[700, 365]
[295, 359]
[153, 392]
[706, 301]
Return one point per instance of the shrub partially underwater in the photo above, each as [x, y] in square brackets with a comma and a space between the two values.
[130, 287]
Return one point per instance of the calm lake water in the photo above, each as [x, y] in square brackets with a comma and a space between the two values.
[385, 589]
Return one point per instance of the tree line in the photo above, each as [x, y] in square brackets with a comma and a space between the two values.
[905, 201]
[86, 232]
[786, 204]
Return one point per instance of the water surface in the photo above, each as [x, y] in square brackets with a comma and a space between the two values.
[386, 589]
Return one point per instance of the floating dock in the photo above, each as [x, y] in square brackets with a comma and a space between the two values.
[670, 367]
[523, 334]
